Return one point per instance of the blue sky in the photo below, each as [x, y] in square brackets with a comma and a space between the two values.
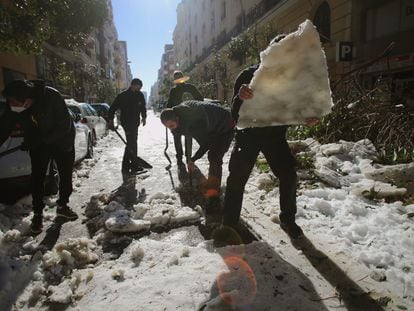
[146, 25]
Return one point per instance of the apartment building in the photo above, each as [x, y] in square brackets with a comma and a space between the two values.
[102, 56]
[123, 73]
[168, 66]
[352, 32]
[203, 25]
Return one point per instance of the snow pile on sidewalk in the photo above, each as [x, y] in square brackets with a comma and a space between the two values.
[358, 216]
[161, 210]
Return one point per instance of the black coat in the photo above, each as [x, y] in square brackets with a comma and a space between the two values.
[178, 94]
[203, 121]
[132, 107]
[46, 122]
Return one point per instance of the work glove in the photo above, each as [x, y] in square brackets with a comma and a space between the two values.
[190, 166]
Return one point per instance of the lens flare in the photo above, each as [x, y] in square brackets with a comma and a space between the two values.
[226, 235]
[211, 193]
[239, 285]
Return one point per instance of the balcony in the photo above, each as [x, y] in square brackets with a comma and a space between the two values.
[251, 17]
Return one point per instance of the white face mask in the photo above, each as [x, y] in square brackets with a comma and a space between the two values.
[17, 109]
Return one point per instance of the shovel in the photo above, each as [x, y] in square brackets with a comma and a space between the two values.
[139, 161]
[11, 150]
[168, 167]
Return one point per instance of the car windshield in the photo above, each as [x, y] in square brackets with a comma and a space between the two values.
[100, 108]
[89, 110]
[75, 109]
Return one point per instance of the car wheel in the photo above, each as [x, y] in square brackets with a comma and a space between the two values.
[89, 154]
[94, 139]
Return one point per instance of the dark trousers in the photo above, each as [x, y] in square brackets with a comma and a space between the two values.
[40, 158]
[218, 148]
[131, 148]
[277, 153]
[179, 145]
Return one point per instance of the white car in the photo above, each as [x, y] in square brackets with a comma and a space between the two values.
[90, 117]
[15, 167]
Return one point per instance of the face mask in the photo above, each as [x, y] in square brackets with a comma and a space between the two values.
[17, 109]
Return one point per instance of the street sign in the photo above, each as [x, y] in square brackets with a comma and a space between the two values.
[344, 51]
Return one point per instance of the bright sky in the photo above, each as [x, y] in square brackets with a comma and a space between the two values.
[146, 26]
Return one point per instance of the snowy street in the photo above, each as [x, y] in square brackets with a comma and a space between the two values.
[145, 243]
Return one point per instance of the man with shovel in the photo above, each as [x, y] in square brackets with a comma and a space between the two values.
[212, 126]
[131, 104]
[49, 132]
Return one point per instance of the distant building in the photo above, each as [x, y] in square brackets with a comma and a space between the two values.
[102, 57]
[159, 92]
[123, 70]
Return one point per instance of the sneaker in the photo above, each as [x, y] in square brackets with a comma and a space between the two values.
[37, 223]
[292, 229]
[66, 212]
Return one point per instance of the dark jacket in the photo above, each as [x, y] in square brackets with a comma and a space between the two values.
[46, 122]
[204, 122]
[132, 107]
[266, 132]
[177, 94]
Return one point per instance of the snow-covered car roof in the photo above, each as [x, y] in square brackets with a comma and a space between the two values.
[71, 101]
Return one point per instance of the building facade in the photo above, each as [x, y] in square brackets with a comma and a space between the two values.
[353, 32]
[159, 91]
[75, 73]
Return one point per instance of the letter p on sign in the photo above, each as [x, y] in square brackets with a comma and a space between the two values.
[344, 51]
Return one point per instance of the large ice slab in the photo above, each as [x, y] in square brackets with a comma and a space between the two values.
[291, 83]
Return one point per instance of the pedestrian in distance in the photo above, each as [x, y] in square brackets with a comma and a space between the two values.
[131, 104]
[182, 91]
[49, 133]
[271, 141]
[212, 126]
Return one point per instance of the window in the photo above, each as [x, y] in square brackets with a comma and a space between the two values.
[322, 21]
[388, 18]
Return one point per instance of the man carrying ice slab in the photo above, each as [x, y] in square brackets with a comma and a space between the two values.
[290, 86]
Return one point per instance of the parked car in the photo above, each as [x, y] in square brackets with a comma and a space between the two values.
[102, 110]
[15, 167]
[90, 117]
[83, 138]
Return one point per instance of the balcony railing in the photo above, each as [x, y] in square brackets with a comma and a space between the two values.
[251, 17]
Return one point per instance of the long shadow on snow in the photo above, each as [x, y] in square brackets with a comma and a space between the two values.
[190, 189]
[257, 278]
[127, 195]
[23, 270]
[353, 296]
